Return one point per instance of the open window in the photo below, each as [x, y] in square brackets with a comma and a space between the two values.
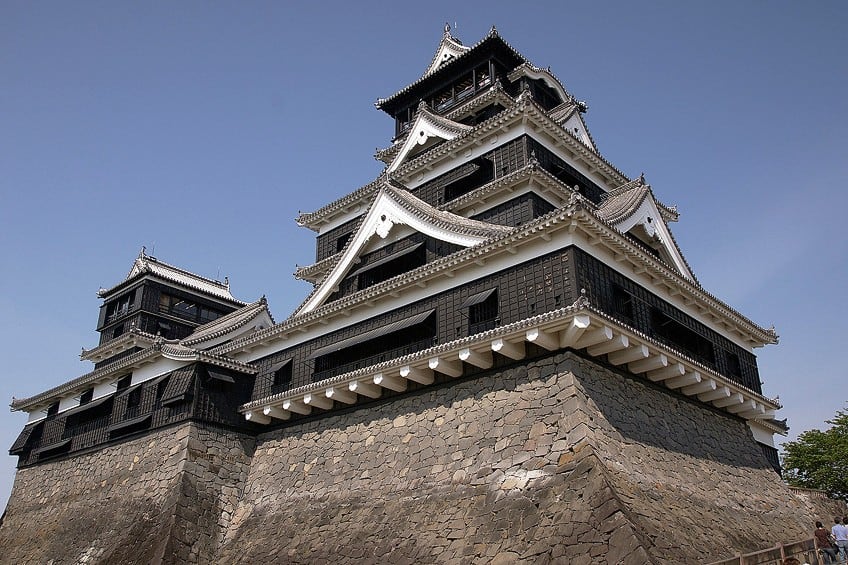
[395, 264]
[676, 334]
[396, 339]
[281, 375]
[483, 313]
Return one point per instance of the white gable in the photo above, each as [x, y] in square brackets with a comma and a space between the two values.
[577, 127]
[426, 131]
[385, 213]
[646, 223]
[449, 49]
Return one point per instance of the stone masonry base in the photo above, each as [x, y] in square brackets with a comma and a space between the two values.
[557, 460]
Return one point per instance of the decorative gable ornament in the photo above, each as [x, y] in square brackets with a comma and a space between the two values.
[449, 49]
[390, 207]
[427, 130]
[633, 209]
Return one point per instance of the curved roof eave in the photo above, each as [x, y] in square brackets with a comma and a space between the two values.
[492, 38]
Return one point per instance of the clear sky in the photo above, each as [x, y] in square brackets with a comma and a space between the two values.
[200, 129]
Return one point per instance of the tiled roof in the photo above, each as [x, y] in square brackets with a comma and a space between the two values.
[578, 212]
[449, 47]
[147, 264]
[522, 107]
[495, 94]
[425, 126]
[228, 323]
[133, 337]
[442, 218]
[491, 36]
[160, 348]
[621, 203]
[563, 111]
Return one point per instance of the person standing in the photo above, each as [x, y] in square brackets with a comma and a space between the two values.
[828, 549]
[840, 534]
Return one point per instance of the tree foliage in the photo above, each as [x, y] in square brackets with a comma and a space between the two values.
[819, 459]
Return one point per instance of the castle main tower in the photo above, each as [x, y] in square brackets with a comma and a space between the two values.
[504, 356]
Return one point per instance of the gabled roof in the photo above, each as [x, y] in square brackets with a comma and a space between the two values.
[633, 206]
[427, 128]
[449, 48]
[529, 70]
[395, 205]
[492, 41]
[255, 315]
[159, 349]
[524, 108]
[495, 94]
[147, 264]
[133, 337]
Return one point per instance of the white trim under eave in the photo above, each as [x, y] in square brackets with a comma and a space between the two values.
[486, 143]
[472, 271]
[384, 213]
[424, 133]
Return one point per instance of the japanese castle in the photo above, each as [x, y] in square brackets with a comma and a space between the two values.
[496, 234]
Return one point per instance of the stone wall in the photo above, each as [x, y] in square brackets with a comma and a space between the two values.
[557, 460]
[163, 497]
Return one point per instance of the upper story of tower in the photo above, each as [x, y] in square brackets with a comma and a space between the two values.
[156, 299]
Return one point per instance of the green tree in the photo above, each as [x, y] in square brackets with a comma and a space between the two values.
[819, 459]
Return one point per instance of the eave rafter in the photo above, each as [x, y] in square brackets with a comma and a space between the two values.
[578, 327]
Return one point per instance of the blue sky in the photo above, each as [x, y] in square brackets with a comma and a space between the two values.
[200, 129]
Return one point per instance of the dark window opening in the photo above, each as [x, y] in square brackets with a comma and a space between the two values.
[483, 173]
[124, 382]
[161, 386]
[217, 381]
[680, 336]
[53, 409]
[207, 314]
[622, 304]
[772, 457]
[134, 398]
[342, 241]
[79, 422]
[185, 309]
[388, 342]
[399, 263]
[282, 375]
[483, 314]
[546, 96]
[732, 362]
[86, 397]
[117, 331]
[119, 307]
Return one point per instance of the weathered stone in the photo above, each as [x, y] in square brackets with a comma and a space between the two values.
[443, 476]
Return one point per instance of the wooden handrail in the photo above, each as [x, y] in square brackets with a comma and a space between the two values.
[806, 550]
